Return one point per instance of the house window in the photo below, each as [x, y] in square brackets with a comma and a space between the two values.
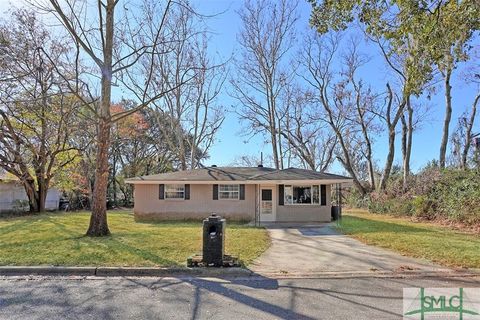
[174, 191]
[229, 191]
[302, 194]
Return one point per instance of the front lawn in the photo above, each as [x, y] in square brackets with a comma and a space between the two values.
[422, 240]
[58, 239]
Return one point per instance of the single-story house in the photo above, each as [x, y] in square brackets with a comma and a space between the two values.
[257, 194]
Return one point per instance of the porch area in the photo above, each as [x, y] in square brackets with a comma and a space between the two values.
[301, 204]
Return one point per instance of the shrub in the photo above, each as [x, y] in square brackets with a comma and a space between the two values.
[19, 206]
[379, 203]
[422, 207]
[353, 199]
[457, 196]
[449, 194]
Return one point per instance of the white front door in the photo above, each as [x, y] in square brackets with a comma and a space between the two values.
[267, 204]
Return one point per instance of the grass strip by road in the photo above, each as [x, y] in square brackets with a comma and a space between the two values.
[59, 239]
[416, 239]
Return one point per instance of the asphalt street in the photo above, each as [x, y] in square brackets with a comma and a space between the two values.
[210, 298]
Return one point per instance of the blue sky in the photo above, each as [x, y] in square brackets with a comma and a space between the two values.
[231, 143]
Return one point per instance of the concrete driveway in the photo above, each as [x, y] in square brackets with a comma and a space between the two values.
[321, 249]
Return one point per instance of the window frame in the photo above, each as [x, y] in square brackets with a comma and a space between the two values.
[165, 188]
[219, 191]
[292, 186]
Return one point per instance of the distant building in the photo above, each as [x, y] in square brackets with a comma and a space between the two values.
[14, 198]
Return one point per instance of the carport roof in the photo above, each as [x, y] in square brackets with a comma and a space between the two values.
[239, 174]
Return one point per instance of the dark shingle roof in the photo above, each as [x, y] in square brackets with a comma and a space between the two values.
[239, 174]
[297, 174]
[208, 174]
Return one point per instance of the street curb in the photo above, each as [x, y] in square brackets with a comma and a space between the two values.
[164, 272]
[369, 274]
[217, 272]
[46, 270]
[120, 271]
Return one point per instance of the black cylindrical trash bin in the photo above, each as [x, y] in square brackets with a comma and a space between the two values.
[213, 240]
[336, 213]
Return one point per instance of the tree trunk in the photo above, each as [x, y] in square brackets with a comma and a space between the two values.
[42, 156]
[371, 174]
[448, 117]
[274, 150]
[42, 195]
[368, 143]
[280, 150]
[114, 174]
[98, 220]
[32, 195]
[404, 147]
[468, 133]
[272, 119]
[273, 135]
[407, 133]
[390, 157]
[406, 165]
[391, 125]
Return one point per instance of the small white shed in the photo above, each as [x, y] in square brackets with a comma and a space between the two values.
[14, 198]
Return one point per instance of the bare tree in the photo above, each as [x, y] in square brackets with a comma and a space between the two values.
[463, 135]
[309, 141]
[344, 104]
[207, 114]
[391, 115]
[191, 107]
[121, 41]
[363, 110]
[37, 115]
[266, 37]
[412, 77]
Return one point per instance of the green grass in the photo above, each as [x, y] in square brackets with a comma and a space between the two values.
[58, 239]
[422, 240]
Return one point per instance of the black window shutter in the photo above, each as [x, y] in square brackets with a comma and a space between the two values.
[187, 192]
[215, 192]
[323, 195]
[281, 194]
[161, 191]
[242, 192]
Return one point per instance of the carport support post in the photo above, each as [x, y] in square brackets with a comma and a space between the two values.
[257, 205]
[338, 200]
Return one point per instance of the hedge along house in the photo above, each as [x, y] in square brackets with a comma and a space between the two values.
[257, 194]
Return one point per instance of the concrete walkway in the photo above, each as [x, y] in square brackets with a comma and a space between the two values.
[321, 249]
